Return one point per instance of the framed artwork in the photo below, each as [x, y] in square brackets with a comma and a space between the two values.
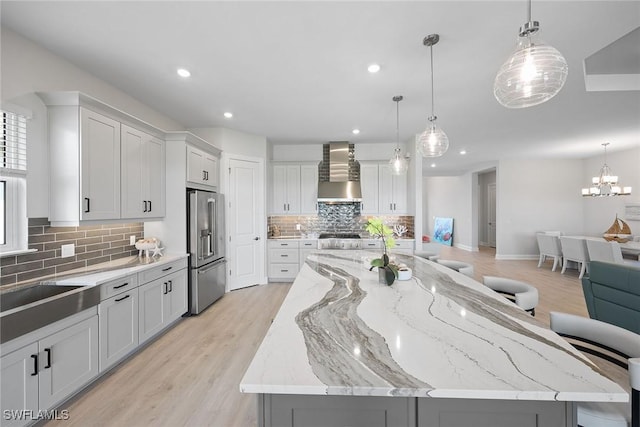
[443, 231]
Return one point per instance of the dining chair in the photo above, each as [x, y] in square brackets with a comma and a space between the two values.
[549, 245]
[459, 266]
[523, 294]
[574, 249]
[615, 345]
[601, 250]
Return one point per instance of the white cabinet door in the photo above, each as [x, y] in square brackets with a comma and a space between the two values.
[155, 177]
[143, 171]
[118, 327]
[19, 379]
[151, 309]
[175, 300]
[202, 167]
[100, 167]
[393, 191]
[279, 189]
[369, 184]
[293, 189]
[69, 360]
[308, 189]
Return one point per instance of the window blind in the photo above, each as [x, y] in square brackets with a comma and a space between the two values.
[13, 143]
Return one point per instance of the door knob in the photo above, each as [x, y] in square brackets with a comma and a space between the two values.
[256, 238]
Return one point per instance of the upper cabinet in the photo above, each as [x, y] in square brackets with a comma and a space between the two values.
[202, 168]
[294, 189]
[382, 192]
[143, 174]
[104, 164]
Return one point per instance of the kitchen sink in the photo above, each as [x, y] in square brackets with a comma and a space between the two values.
[30, 308]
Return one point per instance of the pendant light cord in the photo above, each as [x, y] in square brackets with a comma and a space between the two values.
[432, 94]
[529, 11]
[398, 123]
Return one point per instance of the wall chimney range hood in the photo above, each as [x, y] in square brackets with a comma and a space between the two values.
[339, 174]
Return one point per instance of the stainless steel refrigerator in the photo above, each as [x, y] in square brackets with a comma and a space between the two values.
[206, 245]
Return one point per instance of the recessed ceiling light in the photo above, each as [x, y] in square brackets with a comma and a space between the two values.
[463, 152]
[228, 115]
[373, 68]
[183, 72]
[433, 165]
[355, 131]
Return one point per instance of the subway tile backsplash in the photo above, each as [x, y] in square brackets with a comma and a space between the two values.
[93, 244]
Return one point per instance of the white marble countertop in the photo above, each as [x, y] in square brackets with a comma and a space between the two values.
[107, 271]
[439, 334]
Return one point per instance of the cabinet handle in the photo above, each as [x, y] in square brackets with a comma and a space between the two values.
[35, 365]
[149, 205]
[164, 290]
[204, 176]
[284, 256]
[288, 207]
[167, 269]
[121, 286]
[144, 203]
[170, 285]
[284, 271]
[86, 199]
[123, 298]
[284, 206]
[48, 351]
[284, 244]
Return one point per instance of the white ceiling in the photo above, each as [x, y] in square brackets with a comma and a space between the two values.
[296, 72]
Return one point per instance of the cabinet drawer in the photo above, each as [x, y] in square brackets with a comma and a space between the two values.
[286, 244]
[308, 244]
[162, 270]
[283, 271]
[404, 244]
[371, 244]
[283, 255]
[114, 287]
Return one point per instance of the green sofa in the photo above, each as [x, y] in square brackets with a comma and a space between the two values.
[612, 293]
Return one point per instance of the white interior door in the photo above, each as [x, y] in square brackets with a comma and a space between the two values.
[491, 215]
[245, 225]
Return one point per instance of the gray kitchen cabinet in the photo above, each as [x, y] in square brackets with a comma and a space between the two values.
[202, 168]
[70, 359]
[48, 366]
[118, 327]
[19, 384]
[161, 301]
[143, 174]
[369, 185]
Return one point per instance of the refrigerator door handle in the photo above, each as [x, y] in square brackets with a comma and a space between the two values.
[213, 218]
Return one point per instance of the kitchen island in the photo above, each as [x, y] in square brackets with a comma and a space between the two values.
[438, 349]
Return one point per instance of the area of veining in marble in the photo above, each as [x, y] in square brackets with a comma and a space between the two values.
[440, 334]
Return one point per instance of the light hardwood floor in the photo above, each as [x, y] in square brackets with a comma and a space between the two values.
[190, 376]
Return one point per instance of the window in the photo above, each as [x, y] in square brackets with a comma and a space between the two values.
[13, 186]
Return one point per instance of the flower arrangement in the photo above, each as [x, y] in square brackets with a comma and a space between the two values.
[376, 228]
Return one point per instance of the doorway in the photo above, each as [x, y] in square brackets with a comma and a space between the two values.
[486, 211]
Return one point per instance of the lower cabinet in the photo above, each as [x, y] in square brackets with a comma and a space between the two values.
[45, 372]
[161, 302]
[118, 327]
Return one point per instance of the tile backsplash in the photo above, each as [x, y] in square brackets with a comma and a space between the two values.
[335, 221]
[93, 244]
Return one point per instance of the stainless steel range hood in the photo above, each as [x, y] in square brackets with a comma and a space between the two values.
[339, 174]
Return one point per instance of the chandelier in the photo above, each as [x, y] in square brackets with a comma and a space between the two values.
[433, 142]
[398, 163]
[533, 74]
[606, 184]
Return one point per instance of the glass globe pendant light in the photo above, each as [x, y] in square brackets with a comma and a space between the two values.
[534, 73]
[433, 142]
[398, 163]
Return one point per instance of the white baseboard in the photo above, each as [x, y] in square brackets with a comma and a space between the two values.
[516, 257]
[466, 247]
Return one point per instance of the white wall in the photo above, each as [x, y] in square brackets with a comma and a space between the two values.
[449, 197]
[599, 212]
[535, 195]
[27, 68]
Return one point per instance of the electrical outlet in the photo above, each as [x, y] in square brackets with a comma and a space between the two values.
[298, 227]
[68, 250]
[132, 240]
